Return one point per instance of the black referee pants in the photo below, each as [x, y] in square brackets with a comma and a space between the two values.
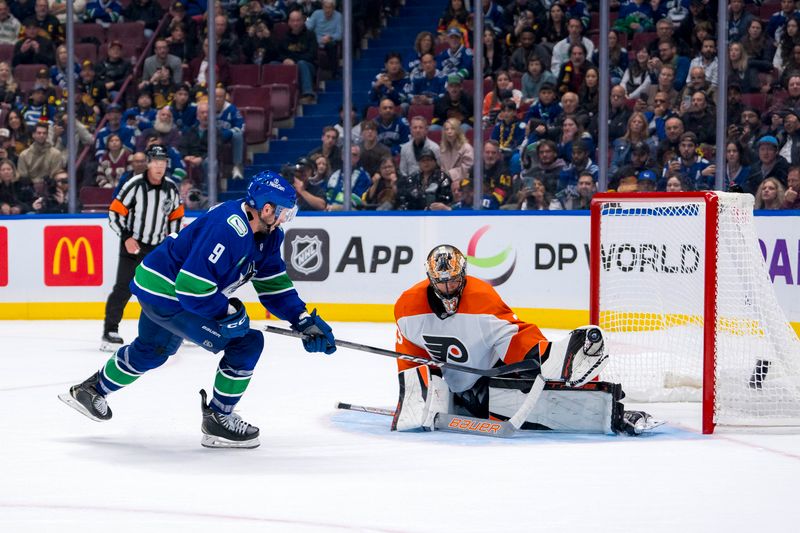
[121, 293]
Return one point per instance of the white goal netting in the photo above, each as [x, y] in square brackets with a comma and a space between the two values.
[652, 288]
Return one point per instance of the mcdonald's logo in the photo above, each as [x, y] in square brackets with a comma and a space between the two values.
[73, 256]
[3, 256]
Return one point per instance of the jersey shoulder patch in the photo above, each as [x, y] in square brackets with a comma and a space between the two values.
[239, 226]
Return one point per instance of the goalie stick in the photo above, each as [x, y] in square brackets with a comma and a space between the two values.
[527, 364]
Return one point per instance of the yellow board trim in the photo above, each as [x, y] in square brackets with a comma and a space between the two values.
[544, 318]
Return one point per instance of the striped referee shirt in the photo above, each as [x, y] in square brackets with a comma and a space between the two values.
[146, 212]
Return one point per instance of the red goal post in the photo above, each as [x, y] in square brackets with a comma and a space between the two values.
[678, 283]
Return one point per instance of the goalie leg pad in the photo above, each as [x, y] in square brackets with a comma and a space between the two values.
[593, 409]
[422, 396]
[576, 359]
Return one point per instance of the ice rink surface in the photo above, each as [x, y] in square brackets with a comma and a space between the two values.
[319, 469]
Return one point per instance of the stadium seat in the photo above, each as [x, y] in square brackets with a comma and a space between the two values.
[26, 75]
[767, 10]
[90, 30]
[435, 136]
[6, 52]
[245, 96]
[279, 31]
[441, 47]
[421, 110]
[85, 51]
[643, 39]
[283, 75]
[129, 51]
[469, 86]
[755, 100]
[95, 199]
[257, 124]
[246, 74]
[127, 32]
[372, 113]
[281, 101]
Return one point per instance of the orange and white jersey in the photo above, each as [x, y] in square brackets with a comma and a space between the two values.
[483, 331]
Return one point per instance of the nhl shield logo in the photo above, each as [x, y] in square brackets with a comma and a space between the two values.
[307, 252]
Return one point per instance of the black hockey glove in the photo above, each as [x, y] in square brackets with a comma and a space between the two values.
[236, 324]
[318, 334]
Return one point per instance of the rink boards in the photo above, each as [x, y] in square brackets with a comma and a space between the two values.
[353, 267]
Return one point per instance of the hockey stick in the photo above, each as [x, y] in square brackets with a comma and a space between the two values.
[527, 364]
[364, 409]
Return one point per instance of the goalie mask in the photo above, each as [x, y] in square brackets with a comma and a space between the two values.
[447, 270]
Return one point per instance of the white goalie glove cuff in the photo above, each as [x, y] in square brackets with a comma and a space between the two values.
[422, 396]
[576, 359]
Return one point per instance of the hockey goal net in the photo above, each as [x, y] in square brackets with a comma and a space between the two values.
[682, 291]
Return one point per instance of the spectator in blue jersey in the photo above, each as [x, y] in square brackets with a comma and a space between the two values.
[391, 82]
[328, 25]
[770, 164]
[668, 56]
[543, 115]
[32, 48]
[423, 44]
[360, 181]
[231, 129]
[430, 85]
[183, 287]
[143, 114]
[455, 104]
[697, 173]
[37, 109]
[456, 59]
[578, 10]
[184, 111]
[738, 20]
[58, 72]
[492, 15]
[580, 162]
[509, 133]
[393, 129]
[104, 12]
[778, 20]
[299, 47]
[114, 124]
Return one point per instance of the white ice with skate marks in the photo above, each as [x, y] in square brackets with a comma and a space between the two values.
[319, 469]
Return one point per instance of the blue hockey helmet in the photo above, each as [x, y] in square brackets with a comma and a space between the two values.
[269, 187]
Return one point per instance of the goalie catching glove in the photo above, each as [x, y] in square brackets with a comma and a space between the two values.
[577, 358]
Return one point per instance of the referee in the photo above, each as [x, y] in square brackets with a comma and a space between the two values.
[146, 209]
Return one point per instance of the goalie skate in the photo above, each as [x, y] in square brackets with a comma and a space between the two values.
[637, 422]
[226, 430]
[85, 399]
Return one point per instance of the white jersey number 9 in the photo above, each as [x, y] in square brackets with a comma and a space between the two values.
[215, 255]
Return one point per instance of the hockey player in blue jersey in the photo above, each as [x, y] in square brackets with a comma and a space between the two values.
[184, 287]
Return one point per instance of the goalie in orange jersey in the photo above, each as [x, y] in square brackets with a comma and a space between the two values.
[459, 319]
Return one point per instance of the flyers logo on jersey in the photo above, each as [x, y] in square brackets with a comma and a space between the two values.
[73, 256]
[446, 349]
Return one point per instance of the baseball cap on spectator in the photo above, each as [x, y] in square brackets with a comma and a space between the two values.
[39, 87]
[640, 148]
[114, 108]
[427, 153]
[179, 5]
[87, 64]
[304, 162]
[465, 182]
[768, 139]
[454, 79]
[42, 73]
[547, 86]
[645, 175]
[115, 42]
[454, 32]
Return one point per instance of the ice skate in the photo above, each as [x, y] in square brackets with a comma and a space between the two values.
[638, 422]
[110, 341]
[226, 431]
[85, 399]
